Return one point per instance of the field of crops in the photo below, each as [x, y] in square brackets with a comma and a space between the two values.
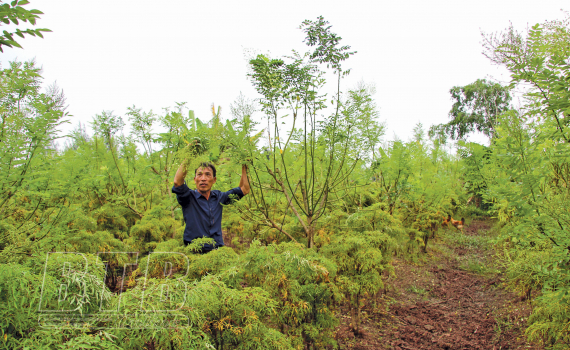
[344, 241]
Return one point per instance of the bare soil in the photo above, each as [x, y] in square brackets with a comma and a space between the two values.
[453, 299]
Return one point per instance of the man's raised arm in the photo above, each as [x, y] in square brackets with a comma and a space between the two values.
[244, 182]
[180, 174]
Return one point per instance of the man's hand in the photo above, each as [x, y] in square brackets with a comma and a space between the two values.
[180, 174]
[182, 170]
[244, 182]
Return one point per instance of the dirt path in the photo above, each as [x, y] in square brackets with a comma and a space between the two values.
[450, 300]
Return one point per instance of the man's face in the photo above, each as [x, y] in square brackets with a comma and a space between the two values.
[204, 179]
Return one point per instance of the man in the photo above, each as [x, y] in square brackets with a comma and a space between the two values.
[202, 208]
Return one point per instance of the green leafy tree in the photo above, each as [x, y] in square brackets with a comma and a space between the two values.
[538, 58]
[29, 118]
[361, 257]
[312, 159]
[13, 13]
[476, 170]
[475, 108]
[107, 125]
[530, 172]
[393, 171]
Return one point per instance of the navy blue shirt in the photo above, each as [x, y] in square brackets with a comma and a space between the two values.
[203, 217]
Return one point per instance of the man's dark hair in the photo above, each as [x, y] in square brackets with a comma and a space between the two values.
[206, 165]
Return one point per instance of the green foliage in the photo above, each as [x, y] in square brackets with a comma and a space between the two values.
[13, 13]
[299, 280]
[320, 179]
[32, 204]
[549, 320]
[476, 107]
[155, 227]
[539, 59]
[68, 283]
[361, 259]
[217, 262]
[234, 317]
[20, 293]
[526, 172]
[168, 304]
[476, 173]
[426, 224]
[309, 158]
[475, 266]
[415, 178]
[90, 341]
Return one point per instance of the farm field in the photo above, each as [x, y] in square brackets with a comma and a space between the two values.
[449, 300]
[307, 228]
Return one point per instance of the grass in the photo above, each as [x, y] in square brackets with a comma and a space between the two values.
[461, 240]
[475, 266]
[417, 290]
[440, 250]
[502, 324]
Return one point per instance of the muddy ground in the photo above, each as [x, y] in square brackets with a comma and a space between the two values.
[453, 297]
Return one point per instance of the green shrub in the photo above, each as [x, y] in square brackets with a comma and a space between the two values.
[361, 258]
[300, 281]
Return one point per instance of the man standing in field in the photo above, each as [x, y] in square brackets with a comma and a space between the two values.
[202, 208]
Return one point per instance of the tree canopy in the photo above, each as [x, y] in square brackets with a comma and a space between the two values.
[476, 107]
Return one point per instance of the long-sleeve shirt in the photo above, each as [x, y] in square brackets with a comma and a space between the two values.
[203, 217]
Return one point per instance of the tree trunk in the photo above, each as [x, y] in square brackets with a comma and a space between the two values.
[310, 232]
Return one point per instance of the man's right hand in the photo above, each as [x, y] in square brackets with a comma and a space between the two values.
[181, 174]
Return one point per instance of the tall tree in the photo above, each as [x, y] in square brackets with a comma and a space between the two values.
[475, 108]
[28, 125]
[538, 58]
[310, 157]
[528, 176]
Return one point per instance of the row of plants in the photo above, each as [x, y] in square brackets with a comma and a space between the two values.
[91, 235]
[330, 206]
[522, 177]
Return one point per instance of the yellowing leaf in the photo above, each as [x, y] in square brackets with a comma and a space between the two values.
[256, 135]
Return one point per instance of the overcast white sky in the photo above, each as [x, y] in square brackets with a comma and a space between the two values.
[109, 55]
